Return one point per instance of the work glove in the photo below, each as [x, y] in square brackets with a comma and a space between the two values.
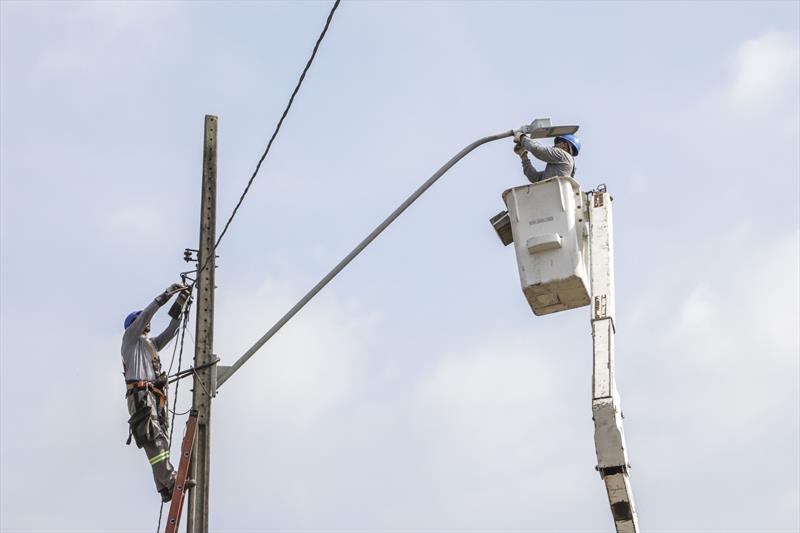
[175, 287]
[519, 150]
[180, 304]
[161, 381]
[169, 291]
[518, 135]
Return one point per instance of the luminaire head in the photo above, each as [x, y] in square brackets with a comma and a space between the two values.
[541, 128]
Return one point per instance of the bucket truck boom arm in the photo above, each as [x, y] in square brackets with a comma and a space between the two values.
[609, 438]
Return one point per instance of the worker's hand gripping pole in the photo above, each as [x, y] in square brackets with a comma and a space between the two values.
[609, 438]
[225, 372]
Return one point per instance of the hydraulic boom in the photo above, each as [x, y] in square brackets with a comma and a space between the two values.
[609, 438]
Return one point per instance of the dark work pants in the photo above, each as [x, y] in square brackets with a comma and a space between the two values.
[157, 447]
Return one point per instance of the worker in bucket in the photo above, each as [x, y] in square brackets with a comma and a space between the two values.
[147, 384]
[560, 157]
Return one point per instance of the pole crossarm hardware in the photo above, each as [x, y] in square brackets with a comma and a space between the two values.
[609, 438]
[225, 372]
[191, 370]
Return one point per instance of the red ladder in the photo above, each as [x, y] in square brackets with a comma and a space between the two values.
[179, 492]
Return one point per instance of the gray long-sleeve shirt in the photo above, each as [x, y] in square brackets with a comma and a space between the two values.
[559, 162]
[140, 359]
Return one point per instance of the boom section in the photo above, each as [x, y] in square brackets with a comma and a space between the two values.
[609, 437]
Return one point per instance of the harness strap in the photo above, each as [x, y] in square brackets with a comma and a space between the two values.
[134, 385]
[153, 357]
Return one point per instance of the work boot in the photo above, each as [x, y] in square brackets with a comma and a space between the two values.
[166, 493]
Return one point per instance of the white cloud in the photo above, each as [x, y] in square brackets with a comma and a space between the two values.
[499, 417]
[765, 70]
[486, 396]
[751, 298]
[307, 367]
[732, 347]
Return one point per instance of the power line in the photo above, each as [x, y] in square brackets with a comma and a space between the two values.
[280, 122]
[175, 394]
[236, 209]
[275, 133]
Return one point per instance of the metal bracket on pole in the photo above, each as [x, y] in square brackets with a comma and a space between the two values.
[609, 438]
[189, 371]
[223, 371]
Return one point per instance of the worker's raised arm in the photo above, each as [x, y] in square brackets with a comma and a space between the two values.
[548, 154]
[530, 171]
[163, 338]
[137, 326]
[175, 312]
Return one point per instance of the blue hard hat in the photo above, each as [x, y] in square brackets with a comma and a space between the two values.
[130, 318]
[572, 140]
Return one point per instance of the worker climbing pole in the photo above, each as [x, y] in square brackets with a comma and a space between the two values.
[195, 449]
[146, 384]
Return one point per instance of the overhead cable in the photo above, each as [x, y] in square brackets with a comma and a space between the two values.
[280, 122]
[175, 394]
[275, 133]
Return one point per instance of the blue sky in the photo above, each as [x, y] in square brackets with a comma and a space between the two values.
[417, 392]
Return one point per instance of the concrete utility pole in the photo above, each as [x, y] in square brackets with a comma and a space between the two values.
[197, 513]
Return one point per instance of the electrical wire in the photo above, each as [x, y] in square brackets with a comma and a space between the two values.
[233, 214]
[175, 395]
[272, 138]
[177, 383]
[172, 359]
[280, 122]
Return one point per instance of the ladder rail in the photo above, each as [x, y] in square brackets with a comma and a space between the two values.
[179, 491]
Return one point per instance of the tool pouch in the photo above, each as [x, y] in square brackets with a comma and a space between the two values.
[179, 305]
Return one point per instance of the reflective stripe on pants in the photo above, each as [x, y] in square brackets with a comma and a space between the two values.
[163, 456]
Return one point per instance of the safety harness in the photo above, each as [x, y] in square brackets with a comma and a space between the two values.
[132, 386]
[135, 385]
[144, 384]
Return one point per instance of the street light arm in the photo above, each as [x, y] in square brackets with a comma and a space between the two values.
[226, 372]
